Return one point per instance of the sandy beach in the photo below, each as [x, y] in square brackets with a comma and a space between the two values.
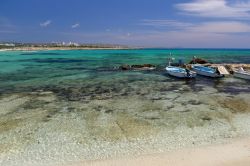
[236, 153]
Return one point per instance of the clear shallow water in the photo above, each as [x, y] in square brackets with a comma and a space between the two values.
[22, 70]
[74, 105]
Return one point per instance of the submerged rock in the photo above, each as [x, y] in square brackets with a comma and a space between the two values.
[125, 67]
[142, 66]
[138, 67]
[198, 60]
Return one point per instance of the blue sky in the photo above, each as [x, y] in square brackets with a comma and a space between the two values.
[150, 23]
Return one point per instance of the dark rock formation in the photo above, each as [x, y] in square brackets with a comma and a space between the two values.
[198, 61]
[137, 67]
[143, 66]
[125, 67]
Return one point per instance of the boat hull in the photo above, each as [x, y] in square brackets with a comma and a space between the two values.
[180, 73]
[202, 71]
[243, 75]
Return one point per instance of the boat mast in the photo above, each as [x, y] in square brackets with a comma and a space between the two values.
[170, 59]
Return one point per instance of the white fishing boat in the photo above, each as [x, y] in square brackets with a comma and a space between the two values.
[241, 73]
[206, 71]
[180, 72]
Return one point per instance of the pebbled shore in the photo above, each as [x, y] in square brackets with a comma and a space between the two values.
[41, 129]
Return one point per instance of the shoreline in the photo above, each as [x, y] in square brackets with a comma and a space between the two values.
[236, 152]
[64, 48]
[47, 148]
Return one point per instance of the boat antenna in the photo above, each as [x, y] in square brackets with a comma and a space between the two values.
[170, 59]
[194, 59]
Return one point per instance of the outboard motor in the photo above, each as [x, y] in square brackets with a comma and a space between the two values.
[188, 72]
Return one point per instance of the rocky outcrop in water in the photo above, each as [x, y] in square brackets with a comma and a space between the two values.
[125, 67]
[198, 61]
[137, 67]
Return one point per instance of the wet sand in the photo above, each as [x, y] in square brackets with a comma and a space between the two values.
[236, 153]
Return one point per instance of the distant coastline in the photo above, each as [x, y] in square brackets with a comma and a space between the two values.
[51, 48]
[62, 48]
[56, 46]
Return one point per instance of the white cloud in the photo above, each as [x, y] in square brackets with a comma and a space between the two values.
[206, 27]
[221, 27]
[164, 23]
[46, 23]
[229, 28]
[183, 39]
[75, 25]
[216, 8]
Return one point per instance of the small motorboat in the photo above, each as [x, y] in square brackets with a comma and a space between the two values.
[180, 72]
[241, 73]
[207, 71]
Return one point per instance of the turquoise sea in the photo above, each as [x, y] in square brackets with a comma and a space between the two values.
[24, 71]
[63, 106]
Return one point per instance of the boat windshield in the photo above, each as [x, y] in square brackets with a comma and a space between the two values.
[205, 69]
